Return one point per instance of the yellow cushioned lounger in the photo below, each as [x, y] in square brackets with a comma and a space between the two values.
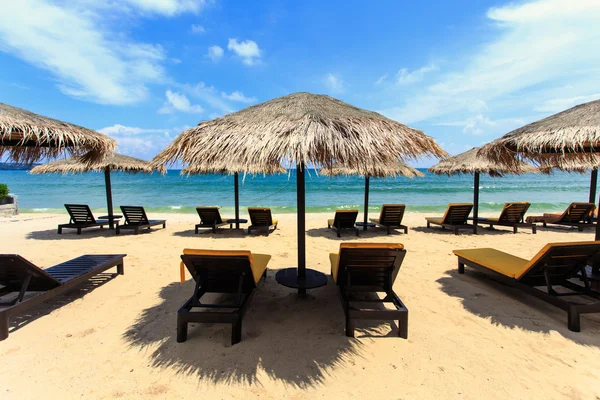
[258, 262]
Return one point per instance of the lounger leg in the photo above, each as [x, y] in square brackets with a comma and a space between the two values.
[79, 231]
[339, 233]
[403, 326]
[181, 330]
[349, 326]
[388, 230]
[573, 316]
[544, 223]
[456, 231]
[428, 224]
[461, 268]
[164, 225]
[357, 232]
[60, 230]
[137, 231]
[120, 269]
[3, 327]
[406, 230]
[534, 229]
[236, 332]
[579, 228]
[515, 229]
[117, 231]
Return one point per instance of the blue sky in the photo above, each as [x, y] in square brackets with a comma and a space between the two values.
[141, 71]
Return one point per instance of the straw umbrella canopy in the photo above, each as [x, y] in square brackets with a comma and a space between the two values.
[390, 170]
[111, 162]
[576, 166]
[301, 128]
[28, 137]
[235, 169]
[470, 162]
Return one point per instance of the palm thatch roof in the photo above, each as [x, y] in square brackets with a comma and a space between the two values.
[231, 168]
[471, 162]
[390, 170]
[113, 161]
[573, 133]
[568, 164]
[300, 128]
[27, 137]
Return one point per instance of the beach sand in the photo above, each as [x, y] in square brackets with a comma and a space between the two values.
[469, 337]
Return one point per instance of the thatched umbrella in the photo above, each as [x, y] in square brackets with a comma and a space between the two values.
[231, 168]
[28, 137]
[576, 166]
[390, 170]
[470, 162]
[300, 128]
[112, 162]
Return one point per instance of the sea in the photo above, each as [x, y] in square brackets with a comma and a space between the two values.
[176, 193]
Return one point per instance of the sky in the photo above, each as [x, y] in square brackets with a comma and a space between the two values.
[142, 71]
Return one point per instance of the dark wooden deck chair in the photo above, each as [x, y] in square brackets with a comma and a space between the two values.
[369, 268]
[390, 217]
[24, 285]
[210, 217]
[579, 215]
[547, 276]
[513, 215]
[344, 219]
[235, 273]
[81, 217]
[455, 217]
[136, 219]
[261, 219]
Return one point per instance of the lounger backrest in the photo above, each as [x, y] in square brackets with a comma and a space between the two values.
[513, 213]
[392, 214]
[345, 218]
[578, 212]
[260, 216]
[457, 214]
[374, 265]
[14, 269]
[220, 270]
[209, 215]
[134, 215]
[80, 214]
[559, 261]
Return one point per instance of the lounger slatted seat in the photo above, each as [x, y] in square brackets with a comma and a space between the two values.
[261, 219]
[579, 215]
[391, 217]
[235, 273]
[455, 217]
[344, 219]
[369, 268]
[512, 215]
[136, 219]
[210, 217]
[24, 285]
[81, 218]
[547, 276]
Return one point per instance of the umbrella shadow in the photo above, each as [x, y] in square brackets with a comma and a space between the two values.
[299, 340]
[220, 234]
[50, 234]
[503, 305]
[347, 234]
[444, 231]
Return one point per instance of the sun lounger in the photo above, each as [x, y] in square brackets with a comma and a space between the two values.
[261, 219]
[24, 285]
[512, 215]
[210, 217]
[455, 217]
[391, 217]
[369, 268]
[136, 219]
[81, 217]
[236, 273]
[344, 219]
[577, 214]
[547, 276]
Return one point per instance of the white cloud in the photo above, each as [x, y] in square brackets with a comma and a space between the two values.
[404, 77]
[208, 95]
[168, 7]
[334, 83]
[141, 142]
[483, 125]
[560, 104]
[248, 50]
[197, 28]
[179, 102]
[381, 79]
[239, 97]
[215, 53]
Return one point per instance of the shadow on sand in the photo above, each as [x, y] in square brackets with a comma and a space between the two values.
[207, 233]
[299, 340]
[349, 235]
[509, 307]
[51, 234]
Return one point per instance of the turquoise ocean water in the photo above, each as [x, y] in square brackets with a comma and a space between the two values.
[180, 194]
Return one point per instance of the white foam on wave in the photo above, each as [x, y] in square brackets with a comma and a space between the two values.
[175, 207]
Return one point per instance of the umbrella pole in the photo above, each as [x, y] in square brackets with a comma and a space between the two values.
[236, 190]
[593, 183]
[475, 201]
[109, 204]
[366, 202]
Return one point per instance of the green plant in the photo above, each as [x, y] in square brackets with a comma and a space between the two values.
[3, 190]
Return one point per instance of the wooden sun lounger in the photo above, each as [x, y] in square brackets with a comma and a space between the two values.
[391, 217]
[210, 217]
[81, 218]
[512, 215]
[136, 219]
[552, 268]
[577, 214]
[344, 219]
[369, 268]
[24, 285]
[236, 273]
[261, 219]
[454, 218]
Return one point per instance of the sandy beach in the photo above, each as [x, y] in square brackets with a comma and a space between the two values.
[469, 337]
